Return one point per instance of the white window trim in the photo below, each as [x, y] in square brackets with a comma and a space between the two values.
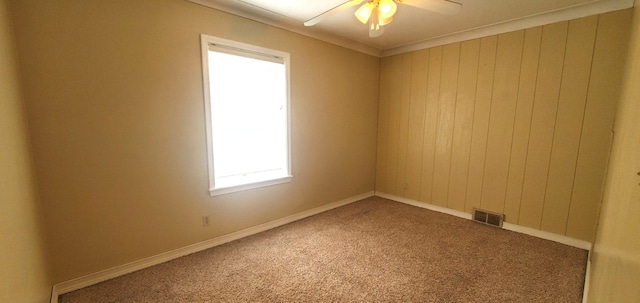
[205, 42]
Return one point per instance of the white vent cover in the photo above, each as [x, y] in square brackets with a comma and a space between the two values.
[487, 217]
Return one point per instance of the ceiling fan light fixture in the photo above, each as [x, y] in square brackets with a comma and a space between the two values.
[384, 21]
[387, 8]
[378, 13]
[375, 28]
[364, 12]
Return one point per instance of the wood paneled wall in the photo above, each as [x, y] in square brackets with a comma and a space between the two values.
[519, 123]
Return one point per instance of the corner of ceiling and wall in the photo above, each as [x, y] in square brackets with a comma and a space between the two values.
[253, 12]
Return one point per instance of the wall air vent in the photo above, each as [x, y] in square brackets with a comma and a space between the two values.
[487, 217]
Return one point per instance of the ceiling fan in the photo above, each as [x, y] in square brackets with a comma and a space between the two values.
[378, 13]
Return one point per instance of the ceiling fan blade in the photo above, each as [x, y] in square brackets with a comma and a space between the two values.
[439, 6]
[313, 21]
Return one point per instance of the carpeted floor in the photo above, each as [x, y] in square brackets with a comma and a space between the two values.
[374, 250]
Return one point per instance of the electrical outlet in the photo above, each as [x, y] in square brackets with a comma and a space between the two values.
[205, 221]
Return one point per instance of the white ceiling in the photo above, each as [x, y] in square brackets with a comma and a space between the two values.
[414, 28]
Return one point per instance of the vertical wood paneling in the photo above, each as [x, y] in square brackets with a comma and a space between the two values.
[419, 73]
[430, 123]
[522, 125]
[382, 167]
[395, 90]
[518, 123]
[444, 129]
[482, 111]
[543, 123]
[603, 93]
[566, 140]
[503, 107]
[405, 102]
[461, 145]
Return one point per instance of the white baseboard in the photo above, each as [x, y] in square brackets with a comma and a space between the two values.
[512, 227]
[54, 294]
[587, 280]
[81, 282]
[548, 236]
[95, 278]
[508, 226]
[440, 209]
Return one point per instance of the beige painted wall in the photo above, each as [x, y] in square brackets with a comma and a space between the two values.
[24, 275]
[518, 123]
[114, 96]
[616, 256]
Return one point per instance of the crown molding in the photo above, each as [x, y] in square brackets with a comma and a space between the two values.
[245, 10]
[261, 15]
[574, 12]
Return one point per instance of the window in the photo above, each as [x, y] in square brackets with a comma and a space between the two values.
[247, 113]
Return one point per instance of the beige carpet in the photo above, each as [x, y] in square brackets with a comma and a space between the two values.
[374, 250]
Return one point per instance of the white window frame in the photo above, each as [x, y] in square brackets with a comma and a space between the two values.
[249, 51]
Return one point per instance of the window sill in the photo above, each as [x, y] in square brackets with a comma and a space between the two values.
[243, 187]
